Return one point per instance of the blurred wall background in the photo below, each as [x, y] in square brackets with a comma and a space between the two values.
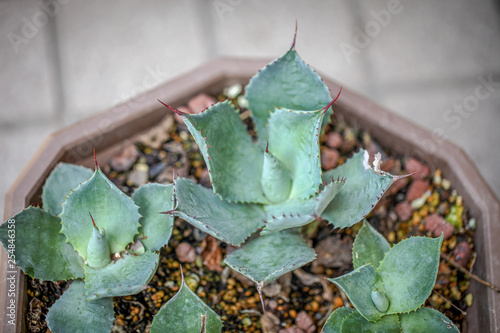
[436, 63]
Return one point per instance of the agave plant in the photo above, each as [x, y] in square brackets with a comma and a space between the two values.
[264, 191]
[86, 240]
[389, 286]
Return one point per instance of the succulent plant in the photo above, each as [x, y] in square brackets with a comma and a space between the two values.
[264, 191]
[389, 286]
[186, 312]
[86, 239]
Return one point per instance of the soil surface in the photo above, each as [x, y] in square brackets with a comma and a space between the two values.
[422, 204]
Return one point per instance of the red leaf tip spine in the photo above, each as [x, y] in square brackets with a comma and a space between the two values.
[180, 113]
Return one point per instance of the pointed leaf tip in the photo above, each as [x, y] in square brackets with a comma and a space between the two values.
[93, 222]
[95, 161]
[180, 113]
[292, 47]
[331, 103]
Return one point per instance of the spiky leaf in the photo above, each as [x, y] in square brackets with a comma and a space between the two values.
[40, 249]
[355, 323]
[186, 312]
[73, 313]
[363, 189]
[126, 276]
[276, 178]
[427, 320]
[286, 82]
[294, 140]
[295, 212]
[231, 223]
[268, 257]
[156, 228]
[369, 247]
[334, 322]
[409, 271]
[98, 254]
[234, 162]
[358, 286]
[111, 208]
[64, 178]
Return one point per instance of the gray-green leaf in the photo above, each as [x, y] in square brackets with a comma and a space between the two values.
[40, 250]
[409, 271]
[355, 323]
[268, 257]
[294, 140]
[286, 82]
[64, 178]
[73, 313]
[186, 313]
[230, 223]
[334, 322]
[427, 320]
[296, 212]
[369, 247]
[111, 209]
[156, 228]
[234, 162]
[126, 276]
[358, 286]
[363, 189]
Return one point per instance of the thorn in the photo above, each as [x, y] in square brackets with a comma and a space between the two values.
[284, 215]
[294, 37]
[95, 161]
[331, 103]
[209, 146]
[267, 147]
[274, 218]
[180, 113]
[298, 214]
[168, 212]
[93, 221]
[182, 273]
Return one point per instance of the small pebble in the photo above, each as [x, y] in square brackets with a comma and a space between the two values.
[437, 224]
[185, 252]
[334, 140]
[418, 203]
[446, 184]
[139, 176]
[233, 91]
[419, 169]
[417, 188]
[125, 159]
[468, 299]
[242, 102]
[404, 210]
[436, 180]
[305, 322]
[200, 102]
[329, 158]
[461, 253]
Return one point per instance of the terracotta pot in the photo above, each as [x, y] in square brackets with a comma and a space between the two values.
[112, 129]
